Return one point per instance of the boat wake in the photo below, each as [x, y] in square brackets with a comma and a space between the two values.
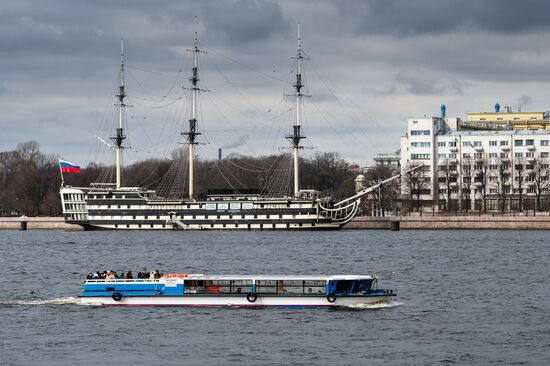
[378, 305]
[31, 302]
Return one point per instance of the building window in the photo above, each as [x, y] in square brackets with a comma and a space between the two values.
[544, 155]
[441, 143]
[504, 155]
[493, 155]
[442, 156]
[492, 143]
[530, 155]
[529, 142]
[518, 142]
[518, 155]
[420, 132]
[466, 156]
[420, 144]
[420, 156]
[544, 143]
[504, 143]
[452, 156]
[452, 143]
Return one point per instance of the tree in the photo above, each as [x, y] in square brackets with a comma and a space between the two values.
[502, 175]
[520, 174]
[481, 178]
[540, 180]
[386, 196]
[416, 183]
[466, 184]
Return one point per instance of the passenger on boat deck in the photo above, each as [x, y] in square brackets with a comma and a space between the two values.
[157, 274]
[89, 276]
[129, 275]
[96, 275]
[110, 276]
[238, 290]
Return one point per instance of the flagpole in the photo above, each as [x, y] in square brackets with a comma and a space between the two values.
[60, 171]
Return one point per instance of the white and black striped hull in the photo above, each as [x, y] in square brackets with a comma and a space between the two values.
[129, 210]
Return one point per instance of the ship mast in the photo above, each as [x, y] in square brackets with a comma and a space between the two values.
[119, 136]
[192, 133]
[297, 136]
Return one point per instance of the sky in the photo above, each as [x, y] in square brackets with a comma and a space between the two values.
[371, 64]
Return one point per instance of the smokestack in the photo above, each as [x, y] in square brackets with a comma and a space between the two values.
[443, 111]
[220, 153]
[497, 108]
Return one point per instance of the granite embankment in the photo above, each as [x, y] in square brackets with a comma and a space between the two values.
[30, 223]
[470, 222]
[428, 222]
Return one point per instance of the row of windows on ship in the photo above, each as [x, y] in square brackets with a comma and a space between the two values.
[72, 197]
[194, 217]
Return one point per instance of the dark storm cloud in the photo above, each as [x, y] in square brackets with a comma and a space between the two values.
[409, 18]
[59, 59]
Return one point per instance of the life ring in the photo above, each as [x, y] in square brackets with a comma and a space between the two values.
[251, 297]
[175, 275]
[331, 297]
[117, 296]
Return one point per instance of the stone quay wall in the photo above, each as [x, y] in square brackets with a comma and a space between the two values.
[468, 222]
[36, 223]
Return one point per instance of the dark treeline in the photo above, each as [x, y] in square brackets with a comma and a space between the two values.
[30, 180]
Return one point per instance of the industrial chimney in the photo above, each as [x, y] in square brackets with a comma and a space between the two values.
[220, 153]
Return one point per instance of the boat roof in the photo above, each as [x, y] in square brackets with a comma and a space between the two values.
[203, 277]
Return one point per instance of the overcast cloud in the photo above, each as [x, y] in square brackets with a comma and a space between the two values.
[373, 64]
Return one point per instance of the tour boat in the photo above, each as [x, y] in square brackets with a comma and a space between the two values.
[238, 291]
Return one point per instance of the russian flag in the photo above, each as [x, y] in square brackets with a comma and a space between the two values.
[67, 167]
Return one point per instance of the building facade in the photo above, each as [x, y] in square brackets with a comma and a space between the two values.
[498, 170]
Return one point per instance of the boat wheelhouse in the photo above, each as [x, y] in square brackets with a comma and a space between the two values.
[239, 291]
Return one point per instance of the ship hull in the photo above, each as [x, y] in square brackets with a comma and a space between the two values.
[238, 301]
[133, 209]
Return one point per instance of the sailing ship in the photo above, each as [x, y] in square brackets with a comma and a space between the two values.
[112, 206]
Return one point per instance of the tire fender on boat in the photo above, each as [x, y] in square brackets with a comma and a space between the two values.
[117, 296]
[331, 297]
[251, 297]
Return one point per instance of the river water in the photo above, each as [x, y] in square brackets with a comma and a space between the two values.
[464, 297]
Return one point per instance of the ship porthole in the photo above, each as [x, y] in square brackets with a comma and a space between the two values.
[251, 297]
[117, 296]
[331, 297]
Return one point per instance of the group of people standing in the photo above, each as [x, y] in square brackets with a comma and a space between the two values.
[113, 275]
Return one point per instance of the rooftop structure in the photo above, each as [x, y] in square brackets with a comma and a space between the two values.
[505, 120]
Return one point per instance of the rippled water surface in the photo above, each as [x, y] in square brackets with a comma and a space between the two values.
[464, 297]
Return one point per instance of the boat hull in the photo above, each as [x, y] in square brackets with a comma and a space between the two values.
[237, 301]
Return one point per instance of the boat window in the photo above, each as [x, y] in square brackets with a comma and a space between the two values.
[290, 287]
[247, 205]
[228, 286]
[314, 287]
[362, 286]
[235, 206]
[194, 287]
[344, 286]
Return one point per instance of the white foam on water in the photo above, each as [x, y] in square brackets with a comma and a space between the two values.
[30, 302]
[376, 305]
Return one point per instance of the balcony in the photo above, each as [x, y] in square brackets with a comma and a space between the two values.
[453, 161]
[531, 160]
[453, 173]
[531, 148]
[453, 149]
[505, 148]
[530, 172]
[453, 184]
[479, 148]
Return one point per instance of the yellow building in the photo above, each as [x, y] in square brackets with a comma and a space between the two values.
[507, 120]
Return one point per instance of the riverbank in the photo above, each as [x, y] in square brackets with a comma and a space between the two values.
[36, 223]
[469, 222]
